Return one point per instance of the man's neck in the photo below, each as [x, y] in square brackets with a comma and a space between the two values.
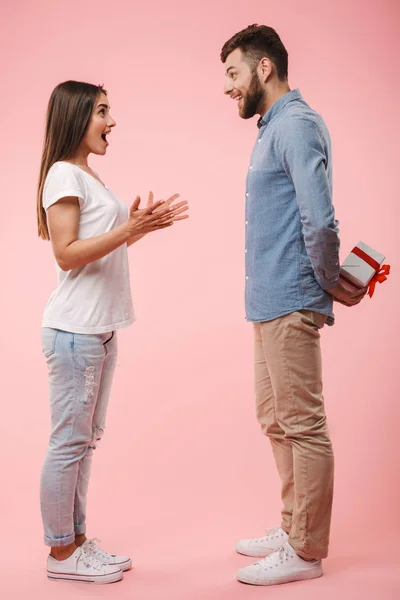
[271, 95]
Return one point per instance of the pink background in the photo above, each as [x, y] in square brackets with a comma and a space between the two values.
[183, 471]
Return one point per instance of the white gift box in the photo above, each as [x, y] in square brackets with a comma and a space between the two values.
[361, 265]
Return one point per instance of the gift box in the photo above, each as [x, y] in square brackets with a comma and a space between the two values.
[364, 267]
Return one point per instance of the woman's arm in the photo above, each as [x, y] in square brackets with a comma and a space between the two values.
[71, 253]
[134, 239]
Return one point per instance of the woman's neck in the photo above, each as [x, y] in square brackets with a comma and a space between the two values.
[80, 160]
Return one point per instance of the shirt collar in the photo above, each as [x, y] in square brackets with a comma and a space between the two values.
[277, 107]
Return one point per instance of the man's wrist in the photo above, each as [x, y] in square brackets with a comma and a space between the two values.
[328, 285]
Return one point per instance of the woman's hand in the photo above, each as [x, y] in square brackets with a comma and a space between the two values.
[156, 215]
[177, 210]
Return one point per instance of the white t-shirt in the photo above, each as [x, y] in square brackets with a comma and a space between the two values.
[95, 298]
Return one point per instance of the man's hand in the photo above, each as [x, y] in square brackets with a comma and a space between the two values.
[349, 296]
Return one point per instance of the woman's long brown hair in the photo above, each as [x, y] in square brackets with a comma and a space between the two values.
[68, 115]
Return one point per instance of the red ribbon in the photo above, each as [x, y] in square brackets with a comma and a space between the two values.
[381, 272]
[379, 277]
[366, 258]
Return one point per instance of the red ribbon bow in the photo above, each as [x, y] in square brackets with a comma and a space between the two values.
[379, 277]
[381, 271]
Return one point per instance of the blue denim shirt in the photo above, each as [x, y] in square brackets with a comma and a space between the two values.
[292, 243]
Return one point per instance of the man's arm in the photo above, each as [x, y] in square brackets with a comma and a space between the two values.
[305, 162]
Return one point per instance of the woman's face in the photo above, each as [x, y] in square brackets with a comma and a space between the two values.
[100, 125]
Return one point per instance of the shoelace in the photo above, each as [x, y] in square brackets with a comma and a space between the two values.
[97, 550]
[89, 560]
[274, 559]
[270, 533]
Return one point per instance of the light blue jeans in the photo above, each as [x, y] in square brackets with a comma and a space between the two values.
[81, 369]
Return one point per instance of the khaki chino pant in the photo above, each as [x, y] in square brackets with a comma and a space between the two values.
[290, 409]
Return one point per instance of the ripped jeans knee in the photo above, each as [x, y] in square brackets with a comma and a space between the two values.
[90, 384]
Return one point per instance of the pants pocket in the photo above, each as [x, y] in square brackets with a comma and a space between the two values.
[49, 337]
[318, 319]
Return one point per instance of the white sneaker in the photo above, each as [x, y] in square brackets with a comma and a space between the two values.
[81, 566]
[122, 562]
[274, 540]
[282, 566]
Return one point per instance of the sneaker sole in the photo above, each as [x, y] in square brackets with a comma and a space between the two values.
[259, 554]
[97, 579]
[289, 579]
[126, 566]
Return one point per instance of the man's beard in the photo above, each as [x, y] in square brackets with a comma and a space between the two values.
[253, 97]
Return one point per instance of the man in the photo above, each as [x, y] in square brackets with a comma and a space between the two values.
[292, 278]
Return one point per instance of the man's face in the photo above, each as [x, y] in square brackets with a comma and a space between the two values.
[243, 85]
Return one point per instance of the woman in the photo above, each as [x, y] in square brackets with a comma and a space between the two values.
[89, 229]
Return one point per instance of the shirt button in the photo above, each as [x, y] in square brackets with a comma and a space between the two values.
[245, 222]
[245, 251]
[247, 194]
[251, 166]
[259, 141]
[247, 277]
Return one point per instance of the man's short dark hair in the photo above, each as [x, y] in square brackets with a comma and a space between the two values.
[256, 42]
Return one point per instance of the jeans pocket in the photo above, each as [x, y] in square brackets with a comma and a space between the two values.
[49, 337]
